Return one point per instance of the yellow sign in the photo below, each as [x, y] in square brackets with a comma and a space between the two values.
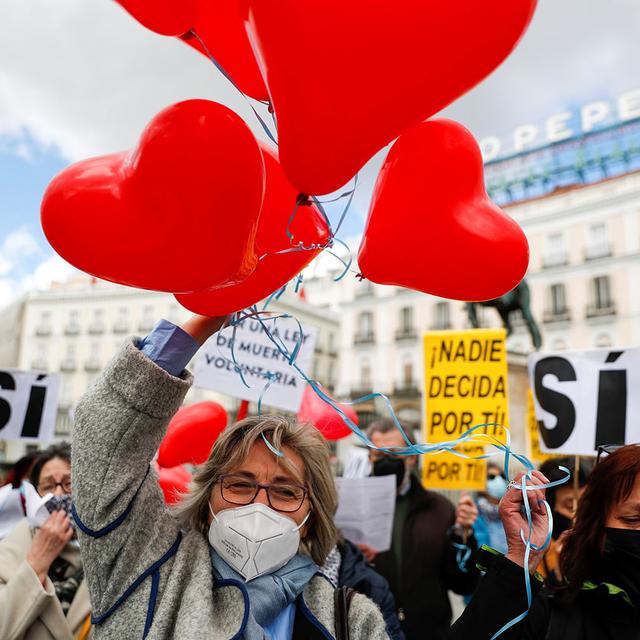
[465, 386]
[533, 433]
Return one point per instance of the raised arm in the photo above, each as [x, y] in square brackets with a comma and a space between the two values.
[123, 524]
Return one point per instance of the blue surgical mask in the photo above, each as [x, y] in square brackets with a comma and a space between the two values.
[496, 487]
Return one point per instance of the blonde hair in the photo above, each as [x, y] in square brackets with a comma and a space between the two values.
[232, 448]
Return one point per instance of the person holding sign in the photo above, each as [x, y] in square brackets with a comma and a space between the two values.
[43, 595]
[239, 558]
[422, 564]
[600, 560]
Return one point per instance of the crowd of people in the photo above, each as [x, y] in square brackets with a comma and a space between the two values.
[252, 551]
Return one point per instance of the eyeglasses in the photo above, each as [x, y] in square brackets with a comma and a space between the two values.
[606, 449]
[285, 497]
[50, 486]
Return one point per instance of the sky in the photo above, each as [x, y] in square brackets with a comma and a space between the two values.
[80, 78]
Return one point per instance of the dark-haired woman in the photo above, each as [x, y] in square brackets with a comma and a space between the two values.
[600, 561]
[43, 595]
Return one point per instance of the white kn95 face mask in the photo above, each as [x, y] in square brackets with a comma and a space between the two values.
[254, 539]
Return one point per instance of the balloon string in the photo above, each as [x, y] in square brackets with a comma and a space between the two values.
[223, 71]
[474, 436]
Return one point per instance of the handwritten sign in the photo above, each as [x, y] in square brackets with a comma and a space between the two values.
[260, 362]
[465, 386]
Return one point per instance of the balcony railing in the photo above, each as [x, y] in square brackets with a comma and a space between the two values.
[364, 338]
[43, 330]
[556, 315]
[601, 311]
[441, 326]
[406, 333]
[72, 329]
[39, 364]
[597, 252]
[406, 390]
[96, 328]
[121, 327]
[364, 290]
[362, 390]
[555, 260]
[92, 365]
[68, 365]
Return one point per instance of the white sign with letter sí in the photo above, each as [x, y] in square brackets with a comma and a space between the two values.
[584, 399]
[260, 361]
[28, 404]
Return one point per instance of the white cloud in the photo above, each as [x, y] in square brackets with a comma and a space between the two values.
[53, 269]
[17, 247]
[88, 77]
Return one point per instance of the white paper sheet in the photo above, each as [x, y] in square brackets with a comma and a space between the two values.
[365, 510]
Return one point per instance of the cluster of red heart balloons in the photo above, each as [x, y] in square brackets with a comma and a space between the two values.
[200, 189]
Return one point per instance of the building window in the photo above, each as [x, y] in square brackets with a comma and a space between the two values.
[554, 251]
[601, 303]
[597, 242]
[97, 324]
[332, 343]
[406, 319]
[602, 292]
[442, 317]
[364, 332]
[365, 375]
[407, 373]
[73, 325]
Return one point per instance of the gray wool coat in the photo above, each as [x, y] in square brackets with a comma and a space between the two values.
[146, 577]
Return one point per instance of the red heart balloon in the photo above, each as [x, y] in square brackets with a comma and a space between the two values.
[191, 434]
[221, 30]
[178, 213]
[174, 483]
[275, 269]
[346, 78]
[166, 17]
[431, 225]
[219, 27]
[323, 417]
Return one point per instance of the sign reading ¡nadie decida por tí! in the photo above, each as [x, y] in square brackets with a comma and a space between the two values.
[465, 386]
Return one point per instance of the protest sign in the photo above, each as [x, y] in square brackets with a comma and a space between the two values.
[465, 386]
[28, 404]
[533, 434]
[366, 508]
[260, 362]
[584, 399]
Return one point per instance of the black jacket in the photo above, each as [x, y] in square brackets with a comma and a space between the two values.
[429, 566]
[357, 574]
[601, 612]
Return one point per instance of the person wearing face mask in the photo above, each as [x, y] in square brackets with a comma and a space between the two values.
[599, 598]
[239, 556]
[422, 564]
[562, 500]
[488, 526]
[43, 594]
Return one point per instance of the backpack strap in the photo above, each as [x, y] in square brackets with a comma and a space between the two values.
[342, 600]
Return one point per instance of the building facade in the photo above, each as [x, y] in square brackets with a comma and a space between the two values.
[579, 204]
[75, 328]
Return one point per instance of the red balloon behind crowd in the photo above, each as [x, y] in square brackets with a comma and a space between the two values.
[191, 434]
[174, 483]
[324, 417]
[275, 269]
[219, 28]
[431, 225]
[178, 213]
[346, 78]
